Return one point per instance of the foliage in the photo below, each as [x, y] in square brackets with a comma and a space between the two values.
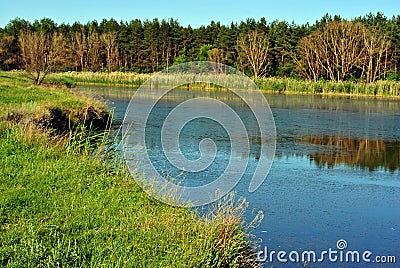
[180, 59]
[149, 46]
[203, 53]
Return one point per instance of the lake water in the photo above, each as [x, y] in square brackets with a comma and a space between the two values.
[335, 174]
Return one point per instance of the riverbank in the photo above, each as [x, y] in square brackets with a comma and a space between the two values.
[64, 204]
[268, 85]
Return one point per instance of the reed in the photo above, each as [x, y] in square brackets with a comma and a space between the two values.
[114, 78]
[225, 238]
[269, 84]
[295, 86]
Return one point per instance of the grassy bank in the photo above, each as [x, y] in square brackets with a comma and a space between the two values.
[63, 206]
[270, 84]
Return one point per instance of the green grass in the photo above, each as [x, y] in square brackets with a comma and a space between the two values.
[18, 95]
[61, 206]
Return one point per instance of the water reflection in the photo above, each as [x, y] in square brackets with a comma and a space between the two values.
[362, 153]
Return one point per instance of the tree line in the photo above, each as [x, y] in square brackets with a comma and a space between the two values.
[363, 49]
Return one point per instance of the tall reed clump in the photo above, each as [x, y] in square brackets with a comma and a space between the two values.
[295, 86]
[114, 78]
[227, 241]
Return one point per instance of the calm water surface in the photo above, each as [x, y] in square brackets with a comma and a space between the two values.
[335, 174]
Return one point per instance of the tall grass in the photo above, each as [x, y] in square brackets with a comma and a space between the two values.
[225, 237]
[114, 78]
[295, 86]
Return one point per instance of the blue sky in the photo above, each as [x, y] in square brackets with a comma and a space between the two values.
[187, 12]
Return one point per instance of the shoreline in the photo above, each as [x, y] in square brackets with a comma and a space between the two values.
[264, 91]
[271, 85]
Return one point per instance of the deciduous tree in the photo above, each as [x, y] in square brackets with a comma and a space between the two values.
[254, 49]
[109, 40]
[340, 49]
[41, 53]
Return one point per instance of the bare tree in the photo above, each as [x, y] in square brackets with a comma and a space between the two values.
[344, 40]
[94, 48]
[41, 53]
[254, 50]
[339, 49]
[79, 42]
[109, 40]
[216, 55]
[376, 55]
[307, 62]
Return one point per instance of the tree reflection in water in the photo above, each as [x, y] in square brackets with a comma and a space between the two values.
[363, 153]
